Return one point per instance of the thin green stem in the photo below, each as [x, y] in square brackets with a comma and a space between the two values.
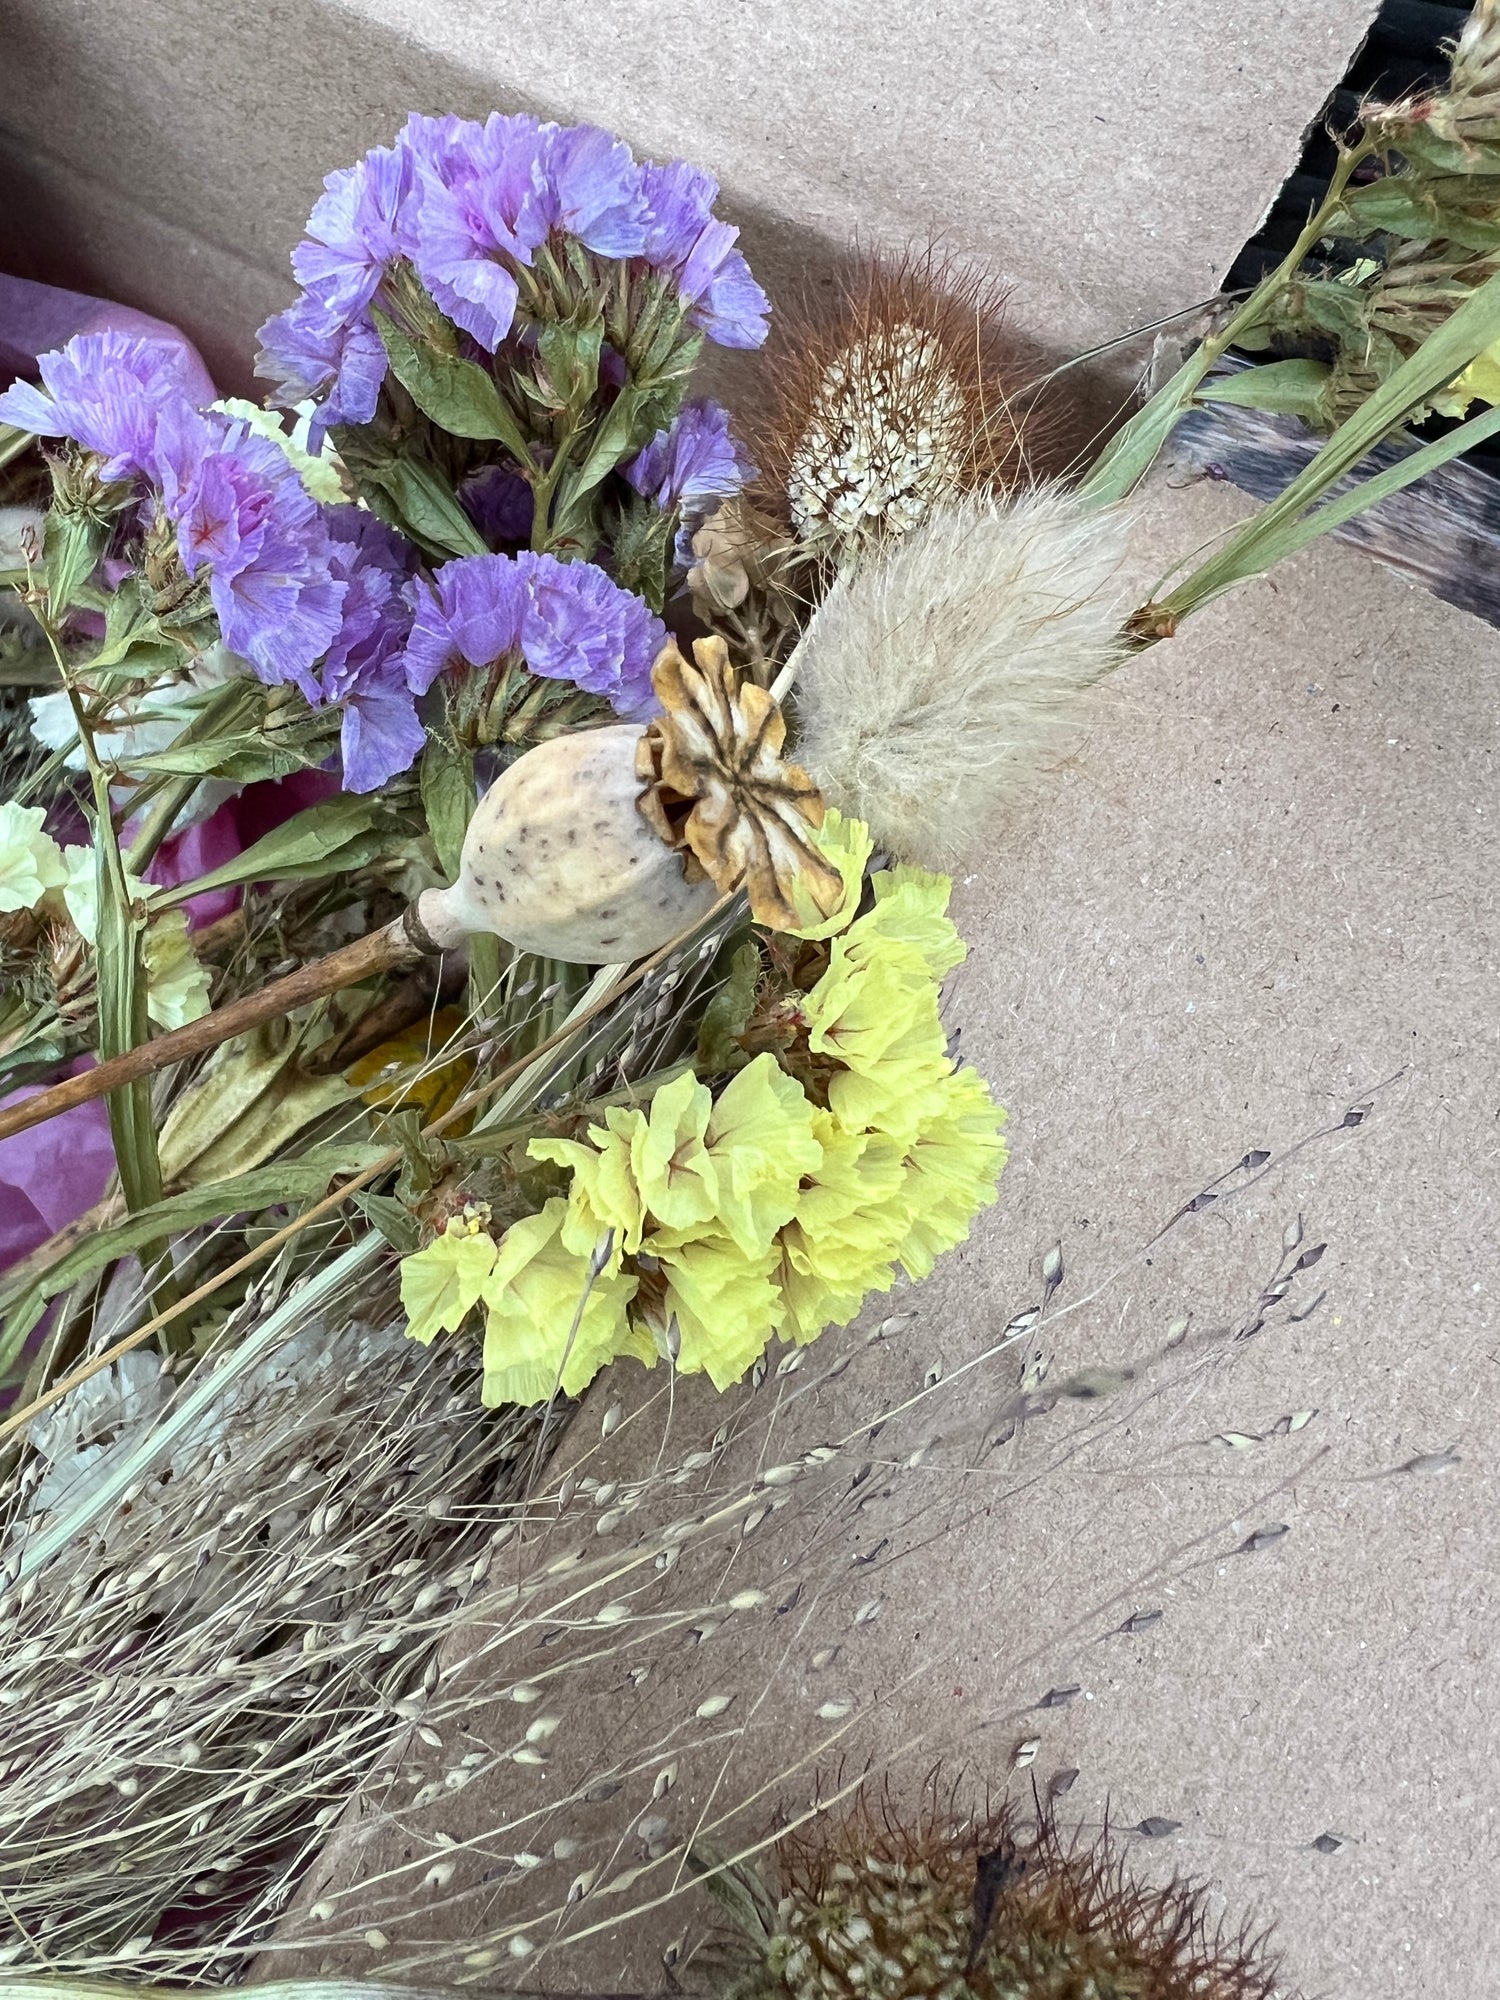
[1133, 450]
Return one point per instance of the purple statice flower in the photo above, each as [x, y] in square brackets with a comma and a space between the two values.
[471, 611]
[591, 188]
[580, 626]
[240, 509]
[695, 464]
[499, 502]
[565, 621]
[308, 352]
[359, 226]
[689, 245]
[479, 210]
[364, 670]
[107, 390]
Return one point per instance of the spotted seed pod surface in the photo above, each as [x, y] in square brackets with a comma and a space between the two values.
[559, 861]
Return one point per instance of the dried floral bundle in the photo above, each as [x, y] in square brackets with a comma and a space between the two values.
[430, 981]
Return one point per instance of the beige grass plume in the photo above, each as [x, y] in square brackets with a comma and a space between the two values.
[934, 679]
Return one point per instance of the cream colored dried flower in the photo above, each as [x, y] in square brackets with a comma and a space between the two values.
[718, 788]
[934, 678]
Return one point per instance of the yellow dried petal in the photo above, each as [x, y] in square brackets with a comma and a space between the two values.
[441, 1285]
[548, 1325]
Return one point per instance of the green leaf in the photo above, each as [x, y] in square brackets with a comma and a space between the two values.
[330, 838]
[246, 756]
[392, 1218]
[1332, 308]
[1134, 448]
[570, 356]
[1463, 158]
[1294, 387]
[448, 800]
[1418, 212]
[727, 1015]
[631, 422]
[641, 538]
[425, 508]
[1276, 531]
[459, 396]
[73, 544]
[122, 1020]
[287, 1183]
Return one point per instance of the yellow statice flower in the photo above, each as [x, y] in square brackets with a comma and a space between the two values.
[548, 1325]
[760, 1139]
[689, 1164]
[31, 862]
[177, 986]
[441, 1285]
[847, 844]
[898, 1090]
[839, 1245]
[669, 1155]
[638, 1160]
[911, 908]
[603, 1199]
[949, 1174]
[724, 1303]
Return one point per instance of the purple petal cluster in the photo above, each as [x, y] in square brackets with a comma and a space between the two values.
[319, 597]
[688, 244]
[365, 669]
[694, 465]
[107, 390]
[242, 514]
[468, 206]
[564, 621]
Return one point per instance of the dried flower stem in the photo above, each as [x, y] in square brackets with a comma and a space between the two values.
[470, 1100]
[381, 951]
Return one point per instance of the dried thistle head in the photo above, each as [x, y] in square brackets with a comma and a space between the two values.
[903, 397]
[935, 677]
[719, 790]
[993, 1908]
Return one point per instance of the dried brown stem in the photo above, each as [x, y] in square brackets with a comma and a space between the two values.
[381, 951]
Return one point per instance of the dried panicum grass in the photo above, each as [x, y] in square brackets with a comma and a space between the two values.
[671, 1651]
[934, 680]
[899, 395]
[192, 1690]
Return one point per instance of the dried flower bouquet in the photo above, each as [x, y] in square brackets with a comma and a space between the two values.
[469, 872]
